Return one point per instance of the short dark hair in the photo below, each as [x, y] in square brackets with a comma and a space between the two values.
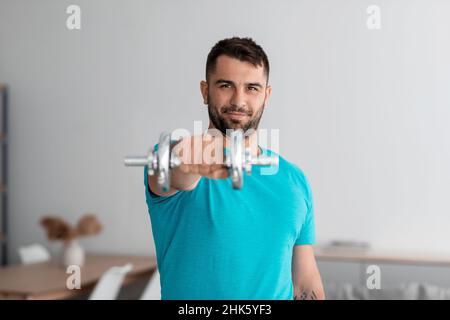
[243, 49]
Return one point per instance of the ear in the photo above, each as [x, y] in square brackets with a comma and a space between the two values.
[204, 91]
[268, 93]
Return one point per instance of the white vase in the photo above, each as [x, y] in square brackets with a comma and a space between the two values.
[73, 254]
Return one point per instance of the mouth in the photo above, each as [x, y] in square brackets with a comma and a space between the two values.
[236, 115]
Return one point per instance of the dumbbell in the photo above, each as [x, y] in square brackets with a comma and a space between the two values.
[240, 159]
[237, 160]
[158, 162]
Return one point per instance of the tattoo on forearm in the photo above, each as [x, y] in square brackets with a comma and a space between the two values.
[306, 295]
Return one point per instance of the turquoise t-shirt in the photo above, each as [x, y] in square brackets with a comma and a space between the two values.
[215, 242]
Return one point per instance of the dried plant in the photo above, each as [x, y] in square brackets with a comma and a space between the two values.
[59, 229]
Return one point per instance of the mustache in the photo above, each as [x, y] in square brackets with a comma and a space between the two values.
[236, 109]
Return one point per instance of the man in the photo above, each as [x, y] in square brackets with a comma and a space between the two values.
[214, 242]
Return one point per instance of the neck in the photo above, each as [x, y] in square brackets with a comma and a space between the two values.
[250, 141]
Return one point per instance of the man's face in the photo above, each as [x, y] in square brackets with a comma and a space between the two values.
[236, 94]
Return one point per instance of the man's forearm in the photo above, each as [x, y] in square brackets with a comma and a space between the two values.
[182, 180]
[305, 275]
[309, 294]
[311, 288]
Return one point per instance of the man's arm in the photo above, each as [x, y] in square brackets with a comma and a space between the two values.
[305, 274]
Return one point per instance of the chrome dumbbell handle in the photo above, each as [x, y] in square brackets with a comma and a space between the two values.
[150, 161]
[264, 161]
[138, 161]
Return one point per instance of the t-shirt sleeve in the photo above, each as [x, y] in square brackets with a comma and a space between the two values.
[307, 233]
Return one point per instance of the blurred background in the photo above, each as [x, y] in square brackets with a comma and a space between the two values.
[363, 110]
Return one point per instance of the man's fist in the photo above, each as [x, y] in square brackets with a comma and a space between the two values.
[202, 155]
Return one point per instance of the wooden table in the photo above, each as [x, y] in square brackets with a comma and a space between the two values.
[47, 280]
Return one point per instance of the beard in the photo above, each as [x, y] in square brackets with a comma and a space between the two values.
[222, 123]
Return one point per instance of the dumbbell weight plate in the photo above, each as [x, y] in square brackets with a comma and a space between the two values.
[237, 159]
[163, 156]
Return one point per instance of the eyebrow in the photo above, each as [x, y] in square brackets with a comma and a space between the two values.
[254, 84]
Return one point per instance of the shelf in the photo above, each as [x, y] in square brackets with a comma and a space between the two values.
[4, 101]
[386, 256]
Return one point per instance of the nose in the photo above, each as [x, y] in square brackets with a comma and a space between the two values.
[238, 99]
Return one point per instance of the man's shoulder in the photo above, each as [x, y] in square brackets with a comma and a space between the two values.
[289, 168]
[283, 162]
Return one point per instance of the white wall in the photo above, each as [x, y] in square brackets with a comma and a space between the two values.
[363, 112]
